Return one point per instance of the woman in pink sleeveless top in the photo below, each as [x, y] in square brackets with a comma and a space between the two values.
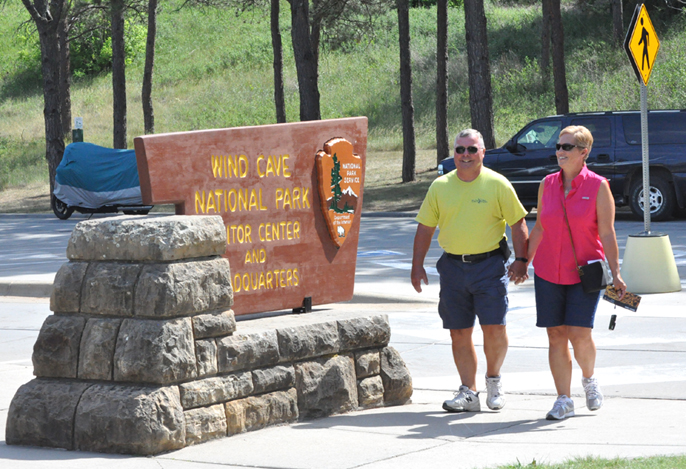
[562, 306]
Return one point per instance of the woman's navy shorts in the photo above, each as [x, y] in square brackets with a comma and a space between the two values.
[564, 305]
[472, 289]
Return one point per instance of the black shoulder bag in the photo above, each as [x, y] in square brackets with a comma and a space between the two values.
[593, 277]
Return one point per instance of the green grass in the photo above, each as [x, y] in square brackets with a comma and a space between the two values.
[656, 462]
[214, 69]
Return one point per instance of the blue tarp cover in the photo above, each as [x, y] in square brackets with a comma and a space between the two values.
[92, 176]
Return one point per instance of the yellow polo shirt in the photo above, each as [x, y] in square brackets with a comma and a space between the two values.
[471, 216]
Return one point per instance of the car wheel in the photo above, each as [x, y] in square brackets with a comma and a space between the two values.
[661, 199]
[62, 210]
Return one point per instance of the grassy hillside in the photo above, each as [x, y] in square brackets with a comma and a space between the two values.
[214, 69]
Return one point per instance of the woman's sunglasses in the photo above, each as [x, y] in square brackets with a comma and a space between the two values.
[566, 146]
[471, 149]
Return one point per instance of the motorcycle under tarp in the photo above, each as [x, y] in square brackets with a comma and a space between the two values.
[95, 179]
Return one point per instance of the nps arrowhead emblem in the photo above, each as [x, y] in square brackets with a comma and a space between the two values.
[339, 174]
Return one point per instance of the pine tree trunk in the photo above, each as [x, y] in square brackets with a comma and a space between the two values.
[146, 91]
[65, 77]
[409, 147]
[118, 75]
[618, 21]
[305, 61]
[279, 100]
[315, 31]
[480, 94]
[47, 16]
[442, 135]
[559, 74]
[545, 38]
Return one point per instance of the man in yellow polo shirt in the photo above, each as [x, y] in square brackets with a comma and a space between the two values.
[471, 206]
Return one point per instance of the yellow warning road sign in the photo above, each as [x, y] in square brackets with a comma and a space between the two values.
[642, 43]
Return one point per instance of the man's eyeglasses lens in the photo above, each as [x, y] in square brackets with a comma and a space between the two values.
[565, 146]
[471, 149]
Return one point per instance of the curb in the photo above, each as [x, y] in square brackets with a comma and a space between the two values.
[26, 289]
[388, 214]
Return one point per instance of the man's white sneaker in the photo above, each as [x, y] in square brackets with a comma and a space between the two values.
[465, 400]
[594, 398]
[494, 389]
[563, 408]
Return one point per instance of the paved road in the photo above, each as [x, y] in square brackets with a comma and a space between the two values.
[36, 244]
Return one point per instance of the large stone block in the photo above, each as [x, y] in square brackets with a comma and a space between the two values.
[216, 324]
[66, 289]
[364, 332]
[370, 392]
[205, 424]
[273, 379]
[308, 341]
[56, 351]
[113, 418]
[183, 288]
[397, 381]
[252, 350]
[326, 386]
[148, 238]
[206, 357]
[42, 413]
[155, 351]
[257, 412]
[109, 288]
[367, 363]
[97, 349]
[209, 391]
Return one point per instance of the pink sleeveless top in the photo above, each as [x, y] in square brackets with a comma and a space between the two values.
[554, 260]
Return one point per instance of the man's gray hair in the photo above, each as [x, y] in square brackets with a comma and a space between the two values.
[471, 133]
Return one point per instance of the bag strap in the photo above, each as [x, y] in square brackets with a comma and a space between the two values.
[564, 209]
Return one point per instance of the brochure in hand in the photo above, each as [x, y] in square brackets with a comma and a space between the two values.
[630, 300]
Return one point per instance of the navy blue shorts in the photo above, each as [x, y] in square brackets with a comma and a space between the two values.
[469, 290]
[564, 305]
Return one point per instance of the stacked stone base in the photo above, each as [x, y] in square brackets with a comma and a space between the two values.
[143, 354]
[279, 378]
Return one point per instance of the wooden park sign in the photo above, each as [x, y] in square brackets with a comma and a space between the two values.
[290, 196]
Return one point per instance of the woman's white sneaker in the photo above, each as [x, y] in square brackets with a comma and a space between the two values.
[563, 408]
[494, 389]
[465, 400]
[594, 398]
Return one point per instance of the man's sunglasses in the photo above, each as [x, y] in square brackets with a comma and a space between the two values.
[566, 146]
[471, 149]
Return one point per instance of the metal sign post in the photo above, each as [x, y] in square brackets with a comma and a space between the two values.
[641, 45]
[648, 265]
[646, 158]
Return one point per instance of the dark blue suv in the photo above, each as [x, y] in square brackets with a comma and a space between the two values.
[529, 156]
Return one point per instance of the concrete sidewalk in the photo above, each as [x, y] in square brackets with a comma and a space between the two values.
[641, 367]
[630, 424]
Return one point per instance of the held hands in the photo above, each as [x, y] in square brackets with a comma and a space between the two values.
[517, 272]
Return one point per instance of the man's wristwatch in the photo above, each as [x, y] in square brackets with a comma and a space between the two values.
[523, 259]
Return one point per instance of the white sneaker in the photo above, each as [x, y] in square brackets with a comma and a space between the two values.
[494, 388]
[465, 400]
[594, 398]
[563, 408]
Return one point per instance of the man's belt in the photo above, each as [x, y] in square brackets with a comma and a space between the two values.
[474, 258]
